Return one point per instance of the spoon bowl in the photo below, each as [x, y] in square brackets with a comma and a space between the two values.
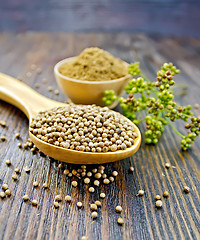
[31, 103]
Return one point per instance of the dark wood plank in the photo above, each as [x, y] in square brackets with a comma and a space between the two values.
[179, 217]
[174, 17]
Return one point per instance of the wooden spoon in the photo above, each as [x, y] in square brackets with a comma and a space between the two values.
[31, 103]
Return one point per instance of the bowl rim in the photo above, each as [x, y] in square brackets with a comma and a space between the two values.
[56, 67]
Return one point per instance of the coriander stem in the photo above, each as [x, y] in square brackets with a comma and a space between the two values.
[175, 130]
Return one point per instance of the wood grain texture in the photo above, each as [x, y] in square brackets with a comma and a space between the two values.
[174, 17]
[180, 216]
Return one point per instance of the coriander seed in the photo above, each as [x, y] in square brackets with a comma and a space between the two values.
[58, 198]
[3, 138]
[141, 192]
[97, 175]
[102, 195]
[118, 209]
[34, 202]
[35, 184]
[8, 192]
[4, 186]
[19, 145]
[157, 197]
[158, 203]
[66, 172]
[120, 221]
[86, 180]
[17, 135]
[94, 214]
[68, 198]
[111, 179]
[96, 183]
[89, 174]
[14, 177]
[186, 189]
[167, 165]
[56, 204]
[56, 91]
[131, 169]
[74, 183]
[2, 194]
[8, 162]
[17, 170]
[79, 204]
[166, 194]
[106, 181]
[98, 203]
[114, 173]
[45, 185]
[91, 189]
[93, 207]
[27, 169]
[25, 197]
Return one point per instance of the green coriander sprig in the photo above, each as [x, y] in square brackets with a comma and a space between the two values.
[156, 101]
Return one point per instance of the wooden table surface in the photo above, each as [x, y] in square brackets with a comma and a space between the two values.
[179, 217]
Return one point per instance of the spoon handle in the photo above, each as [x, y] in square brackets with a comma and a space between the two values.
[22, 96]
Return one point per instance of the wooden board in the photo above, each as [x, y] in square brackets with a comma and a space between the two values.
[180, 216]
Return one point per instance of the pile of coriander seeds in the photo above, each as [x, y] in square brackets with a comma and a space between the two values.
[86, 128]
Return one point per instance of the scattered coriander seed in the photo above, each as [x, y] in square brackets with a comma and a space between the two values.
[8, 192]
[27, 169]
[118, 209]
[4, 186]
[37, 85]
[94, 214]
[28, 74]
[44, 80]
[3, 138]
[94, 170]
[79, 204]
[8, 162]
[2, 194]
[104, 175]
[70, 175]
[196, 106]
[66, 172]
[106, 181]
[58, 198]
[97, 175]
[141, 192]
[86, 180]
[60, 165]
[186, 189]
[56, 91]
[19, 145]
[98, 203]
[158, 203]
[111, 179]
[84, 238]
[166, 194]
[89, 174]
[50, 89]
[35, 184]
[114, 173]
[45, 185]
[74, 183]
[68, 198]
[93, 207]
[33, 66]
[102, 195]
[167, 165]
[157, 197]
[3, 123]
[38, 70]
[14, 177]
[120, 221]
[17, 170]
[96, 183]
[131, 169]
[34, 202]
[56, 204]
[25, 197]
[17, 135]
[91, 189]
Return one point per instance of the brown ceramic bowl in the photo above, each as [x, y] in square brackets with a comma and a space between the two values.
[88, 92]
